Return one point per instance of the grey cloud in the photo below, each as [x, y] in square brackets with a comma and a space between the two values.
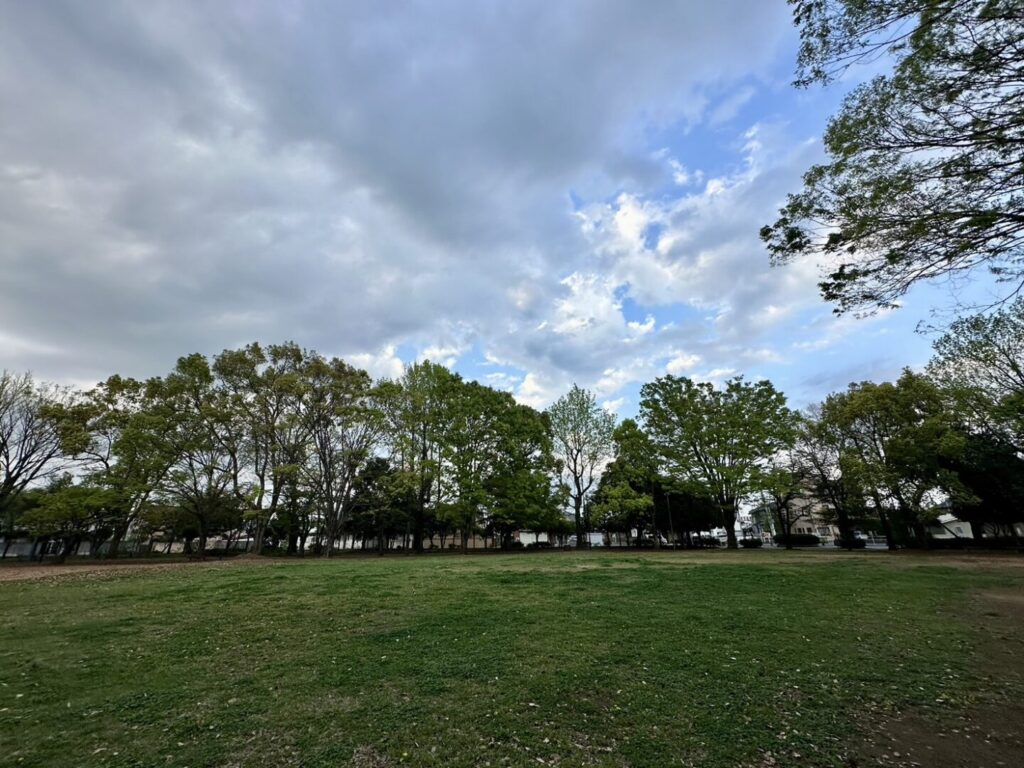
[186, 176]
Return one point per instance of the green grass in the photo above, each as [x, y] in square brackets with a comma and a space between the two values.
[600, 659]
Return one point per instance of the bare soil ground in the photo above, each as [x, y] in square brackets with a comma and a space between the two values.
[989, 733]
[108, 568]
[978, 561]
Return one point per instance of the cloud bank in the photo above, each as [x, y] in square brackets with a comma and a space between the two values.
[531, 193]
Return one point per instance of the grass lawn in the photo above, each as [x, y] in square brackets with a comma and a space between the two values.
[635, 659]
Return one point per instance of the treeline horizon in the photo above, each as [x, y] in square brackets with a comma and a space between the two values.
[296, 452]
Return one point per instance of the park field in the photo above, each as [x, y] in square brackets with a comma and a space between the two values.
[759, 658]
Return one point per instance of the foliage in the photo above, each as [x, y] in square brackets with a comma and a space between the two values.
[415, 416]
[717, 440]
[381, 503]
[625, 495]
[31, 424]
[984, 351]
[70, 513]
[281, 448]
[979, 365]
[924, 173]
[988, 481]
[786, 482]
[344, 426]
[827, 458]
[119, 433]
[895, 433]
[583, 433]
[257, 413]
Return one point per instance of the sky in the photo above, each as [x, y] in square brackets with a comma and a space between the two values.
[531, 193]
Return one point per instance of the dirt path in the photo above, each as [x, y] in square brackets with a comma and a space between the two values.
[100, 568]
[976, 561]
[990, 732]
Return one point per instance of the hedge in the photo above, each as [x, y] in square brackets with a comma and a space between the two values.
[798, 540]
[852, 542]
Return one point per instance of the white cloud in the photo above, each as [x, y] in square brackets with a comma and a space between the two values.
[432, 177]
[681, 364]
[613, 406]
[384, 364]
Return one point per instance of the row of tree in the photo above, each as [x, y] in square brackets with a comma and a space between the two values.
[891, 456]
[279, 447]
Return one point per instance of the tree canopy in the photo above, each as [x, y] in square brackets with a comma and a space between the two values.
[925, 169]
[717, 439]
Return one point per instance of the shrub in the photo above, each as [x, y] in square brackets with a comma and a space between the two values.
[539, 545]
[850, 542]
[751, 543]
[988, 542]
[706, 541]
[797, 540]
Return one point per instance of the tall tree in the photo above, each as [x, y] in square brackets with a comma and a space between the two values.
[925, 175]
[265, 387]
[987, 482]
[381, 502]
[979, 366]
[344, 426]
[518, 483]
[200, 482]
[582, 432]
[785, 482]
[414, 408]
[120, 433]
[467, 449]
[826, 456]
[895, 431]
[717, 440]
[625, 496]
[32, 418]
[983, 350]
[70, 513]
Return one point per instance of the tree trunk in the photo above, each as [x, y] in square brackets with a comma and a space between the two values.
[843, 523]
[886, 528]
[578, 510]
[202, 541]
[921, 531]
[729, 517]
[261, 527]
[115, 541]
[65, 550]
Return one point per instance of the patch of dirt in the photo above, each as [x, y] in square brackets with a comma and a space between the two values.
[368, 757]
[990, 732]
[101, 568]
